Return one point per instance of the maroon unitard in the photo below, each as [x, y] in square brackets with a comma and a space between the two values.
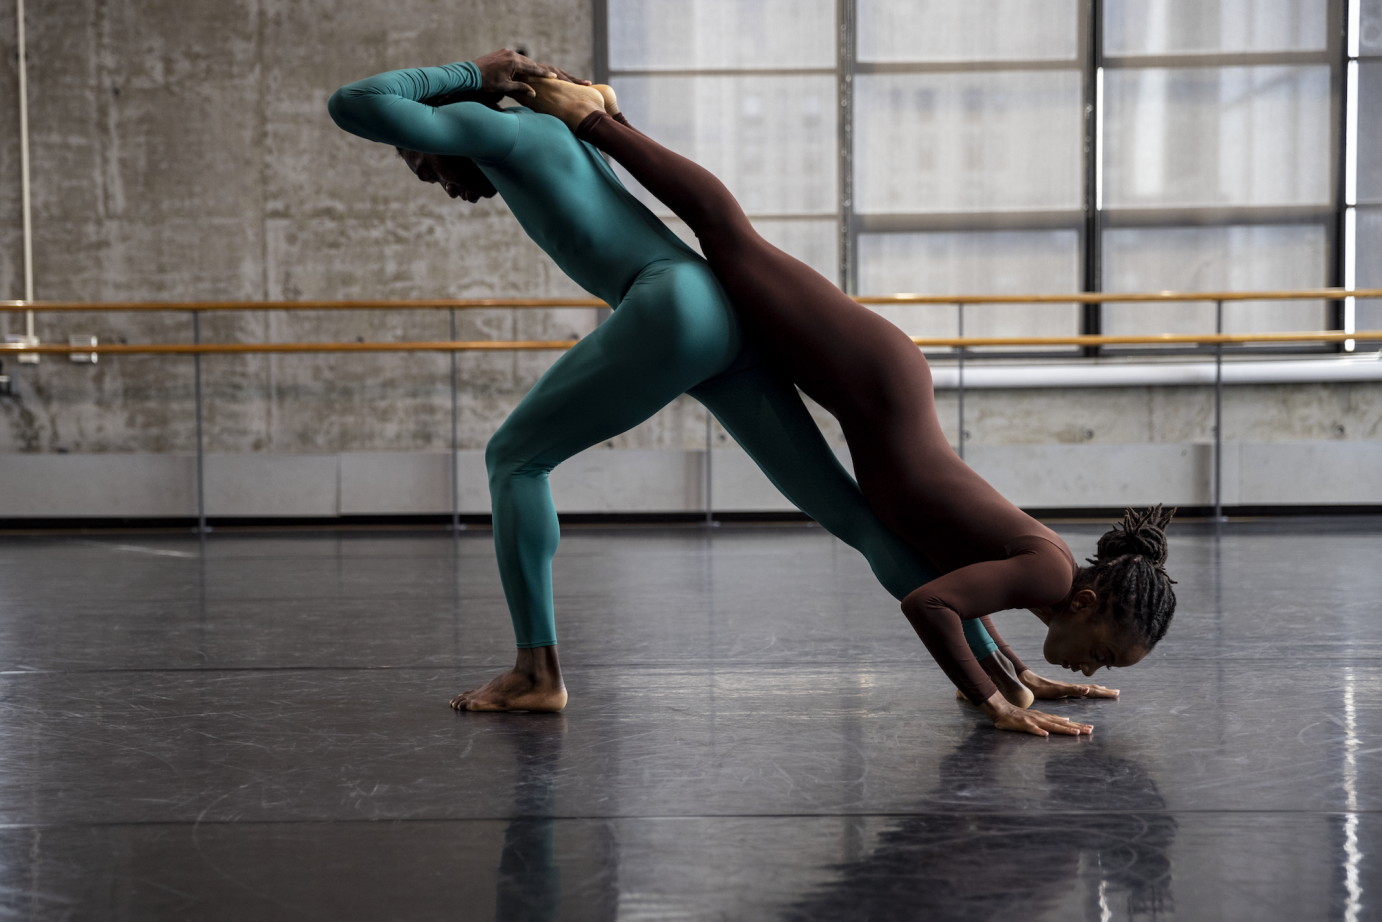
[875, 381]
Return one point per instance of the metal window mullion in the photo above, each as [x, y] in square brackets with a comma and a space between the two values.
[846, 25]
[1338, 141]
[1092, 44]
[599, 16]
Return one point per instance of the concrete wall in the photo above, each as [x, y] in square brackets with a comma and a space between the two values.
[182, 151]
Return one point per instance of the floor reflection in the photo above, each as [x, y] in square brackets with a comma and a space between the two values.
[1094, 842]
[528, 885]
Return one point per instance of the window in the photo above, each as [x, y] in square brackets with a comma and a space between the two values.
[1363, 164]
[748, 90]
[944, 146]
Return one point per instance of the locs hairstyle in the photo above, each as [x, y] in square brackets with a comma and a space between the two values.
[1129, 573]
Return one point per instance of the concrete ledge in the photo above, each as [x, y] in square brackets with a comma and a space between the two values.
[603, 481]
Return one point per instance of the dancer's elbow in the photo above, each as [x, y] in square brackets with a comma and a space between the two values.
[340, 108]
[926, 612]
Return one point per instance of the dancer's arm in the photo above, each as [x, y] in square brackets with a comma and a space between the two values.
[938, 609]
[387, 108]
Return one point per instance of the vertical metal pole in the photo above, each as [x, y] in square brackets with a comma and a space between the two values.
[455, 441]
[599, 21]
[844, 77]
[197, 388]
[960, 365]
[709, 503]
[1092, 59]
[24, 195]
[1218, 414]
[1338, 31]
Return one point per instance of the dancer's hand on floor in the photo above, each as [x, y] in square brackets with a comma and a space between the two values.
[503, 71]
[1049, 689]
[1038, 723]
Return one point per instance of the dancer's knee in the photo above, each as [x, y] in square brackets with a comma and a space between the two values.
[504, 454]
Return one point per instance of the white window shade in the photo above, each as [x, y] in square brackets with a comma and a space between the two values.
[1207, 137]
[998, 262]
[1142, 27]
[721, 34]
[771, 140]
[1370, 132]
[1242, 258]
[1370, 27]
[957, 142]
[893, 31]
[1369, 311]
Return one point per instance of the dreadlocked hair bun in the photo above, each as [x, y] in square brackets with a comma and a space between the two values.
[1140, 533]
[1130, 576]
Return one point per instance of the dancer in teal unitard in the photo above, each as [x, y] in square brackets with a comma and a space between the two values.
[672, 331]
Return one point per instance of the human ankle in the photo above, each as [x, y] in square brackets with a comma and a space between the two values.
[540, 666]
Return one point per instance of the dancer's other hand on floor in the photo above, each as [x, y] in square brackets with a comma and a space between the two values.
[504, 71]
[1049, 689]
[570, 102]
[1038, 723]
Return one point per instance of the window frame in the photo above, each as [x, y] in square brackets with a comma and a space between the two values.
[1091, 219]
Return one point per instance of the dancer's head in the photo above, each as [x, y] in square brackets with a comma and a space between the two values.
[459, 176]
[1121, 605]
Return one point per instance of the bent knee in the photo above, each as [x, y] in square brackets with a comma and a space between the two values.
[505, 455]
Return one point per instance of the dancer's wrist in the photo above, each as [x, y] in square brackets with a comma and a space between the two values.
[995, 707]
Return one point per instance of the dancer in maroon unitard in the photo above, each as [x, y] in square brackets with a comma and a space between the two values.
[875, 381]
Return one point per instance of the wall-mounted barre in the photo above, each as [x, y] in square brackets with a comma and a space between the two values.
[1308, 294]
[487, 345]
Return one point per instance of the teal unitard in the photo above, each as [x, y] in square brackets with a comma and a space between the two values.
[672, 331]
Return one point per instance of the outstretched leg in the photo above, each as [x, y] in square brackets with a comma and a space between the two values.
[765, 415]
[838, 351]
[672, 330]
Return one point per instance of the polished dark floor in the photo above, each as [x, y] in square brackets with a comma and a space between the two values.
[260, 731]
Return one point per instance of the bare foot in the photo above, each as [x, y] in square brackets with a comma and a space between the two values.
[1000, 669]
[569, 102]
[534, 684]
[611, 102]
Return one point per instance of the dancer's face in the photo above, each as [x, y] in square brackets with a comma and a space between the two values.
[1080, 639]
[454, 174]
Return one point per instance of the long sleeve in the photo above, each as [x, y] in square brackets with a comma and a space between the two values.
[1035, 573]
[388, 108]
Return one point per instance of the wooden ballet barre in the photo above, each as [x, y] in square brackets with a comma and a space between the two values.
[484, 345]
[1204, 339]
[1328, 294]
[1325, 336]
[374, 304]
[1104, 297]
